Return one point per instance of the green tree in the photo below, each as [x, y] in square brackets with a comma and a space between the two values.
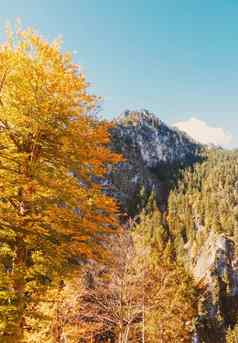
[169, 296]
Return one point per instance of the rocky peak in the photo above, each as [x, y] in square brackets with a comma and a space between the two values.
[135, 118]
[156, 141]
[153, 152]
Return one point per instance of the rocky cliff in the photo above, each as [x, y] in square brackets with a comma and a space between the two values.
[154, 154]
[215, 272]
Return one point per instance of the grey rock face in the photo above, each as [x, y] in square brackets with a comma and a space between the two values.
[153, 153]
[218, 251]
[215, 270]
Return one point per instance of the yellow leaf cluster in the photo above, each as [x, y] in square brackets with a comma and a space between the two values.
[53, 151]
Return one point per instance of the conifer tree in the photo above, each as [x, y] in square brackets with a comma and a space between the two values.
[170, 298]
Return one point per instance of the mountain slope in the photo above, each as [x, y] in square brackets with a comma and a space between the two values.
[203, 219]
[197, 190]
[154, 152]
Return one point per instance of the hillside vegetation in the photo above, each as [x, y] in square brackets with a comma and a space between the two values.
[203, 221]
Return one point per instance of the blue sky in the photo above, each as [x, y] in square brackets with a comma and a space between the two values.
[177, 58]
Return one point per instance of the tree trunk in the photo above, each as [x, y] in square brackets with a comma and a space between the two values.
[126, 334]
[19, 288]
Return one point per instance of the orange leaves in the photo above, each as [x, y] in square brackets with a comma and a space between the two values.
[53, 151]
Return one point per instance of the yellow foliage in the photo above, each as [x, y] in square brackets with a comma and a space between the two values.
[52, 151]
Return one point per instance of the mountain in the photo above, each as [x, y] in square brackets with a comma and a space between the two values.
[153, 152]
[196, 189]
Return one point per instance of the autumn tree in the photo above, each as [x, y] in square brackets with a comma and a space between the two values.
[105, 303]
[52, 151]
[144, 295]
[232, 335]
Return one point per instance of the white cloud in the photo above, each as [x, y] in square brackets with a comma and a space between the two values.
[203, 133]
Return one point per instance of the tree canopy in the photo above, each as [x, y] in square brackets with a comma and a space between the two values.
[53, 151]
